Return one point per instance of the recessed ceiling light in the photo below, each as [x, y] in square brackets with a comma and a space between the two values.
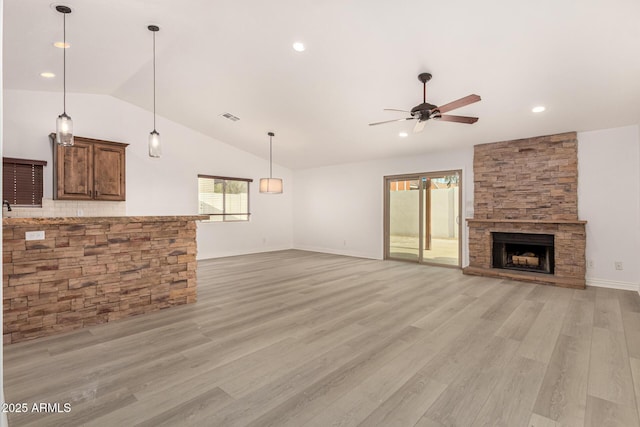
[403, 134]
[538, 109]
[47, 75]
[299, 47]
[62, 45]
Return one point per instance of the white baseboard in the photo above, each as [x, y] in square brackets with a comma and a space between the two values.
[332, 251]
[224, 254]
[613, 284]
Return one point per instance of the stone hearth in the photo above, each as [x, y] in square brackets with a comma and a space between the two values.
[569, 254]
[528, 186]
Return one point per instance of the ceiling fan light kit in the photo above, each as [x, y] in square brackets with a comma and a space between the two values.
[426, 111]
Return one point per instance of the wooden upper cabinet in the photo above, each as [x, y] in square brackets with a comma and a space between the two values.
[74, 168]
[91, 169]
[108, 172]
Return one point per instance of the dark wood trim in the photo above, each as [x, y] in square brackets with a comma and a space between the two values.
[225, 177]
[91, 140]
[15, 161]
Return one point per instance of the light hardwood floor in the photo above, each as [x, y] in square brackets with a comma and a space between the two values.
[297, 338]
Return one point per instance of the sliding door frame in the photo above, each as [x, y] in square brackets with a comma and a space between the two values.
[421, 214]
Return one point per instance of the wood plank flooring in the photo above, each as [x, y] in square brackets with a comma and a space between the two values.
[296, 338]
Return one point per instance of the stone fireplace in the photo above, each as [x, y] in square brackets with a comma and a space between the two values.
[525, 224]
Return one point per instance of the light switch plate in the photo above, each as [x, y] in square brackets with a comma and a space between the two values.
[34, 235]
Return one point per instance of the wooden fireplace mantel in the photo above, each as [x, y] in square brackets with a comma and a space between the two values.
[526, 221]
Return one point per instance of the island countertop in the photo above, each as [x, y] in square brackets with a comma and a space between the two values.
[100, 219]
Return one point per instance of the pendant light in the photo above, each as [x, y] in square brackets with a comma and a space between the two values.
[64, 124]
[154, 137]
[271, 185]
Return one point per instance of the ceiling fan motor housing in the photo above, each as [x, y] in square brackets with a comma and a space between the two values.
[425, 111]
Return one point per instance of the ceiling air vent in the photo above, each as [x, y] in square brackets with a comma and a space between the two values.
[230, 117]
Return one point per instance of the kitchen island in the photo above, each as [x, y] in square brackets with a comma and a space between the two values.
[61, 274]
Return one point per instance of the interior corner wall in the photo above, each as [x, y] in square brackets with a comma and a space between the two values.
[609, 200]
[339, 209]
[163, 186]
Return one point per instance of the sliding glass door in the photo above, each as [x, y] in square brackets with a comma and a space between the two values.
[404, 224]
[441, 218]
[422, 218]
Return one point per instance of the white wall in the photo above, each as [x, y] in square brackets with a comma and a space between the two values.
[339, 209]
[609, 199]
[164, 186]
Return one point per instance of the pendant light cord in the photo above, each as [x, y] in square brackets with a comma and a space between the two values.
[270, 157]
[64, 63]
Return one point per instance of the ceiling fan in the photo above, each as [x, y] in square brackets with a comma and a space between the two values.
[425, 111]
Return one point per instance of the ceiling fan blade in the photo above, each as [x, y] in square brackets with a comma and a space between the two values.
[470, 99]
[395, 109]
[389, 121]
[458, 119]
[419, 126]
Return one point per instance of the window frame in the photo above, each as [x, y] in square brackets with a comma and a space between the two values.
[225, 214]
[22, 193]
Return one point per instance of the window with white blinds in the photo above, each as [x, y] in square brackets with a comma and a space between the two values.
[224, 198]
[22, 181]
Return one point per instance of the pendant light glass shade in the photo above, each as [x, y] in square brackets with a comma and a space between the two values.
[155, 150]
[64, 130]
[64, 124]
[271, 185]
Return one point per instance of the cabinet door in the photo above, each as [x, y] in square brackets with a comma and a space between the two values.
[74, 166]
[108, 172]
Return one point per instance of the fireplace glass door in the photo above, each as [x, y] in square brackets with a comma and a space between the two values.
[422, 218]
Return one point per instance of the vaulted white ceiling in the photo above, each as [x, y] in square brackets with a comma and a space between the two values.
[581, 59]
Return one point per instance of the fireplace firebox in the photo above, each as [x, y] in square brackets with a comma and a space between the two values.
[523, 252]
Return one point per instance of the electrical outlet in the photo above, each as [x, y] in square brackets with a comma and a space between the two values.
[590, 263]
[618, 265]
[34, 235]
